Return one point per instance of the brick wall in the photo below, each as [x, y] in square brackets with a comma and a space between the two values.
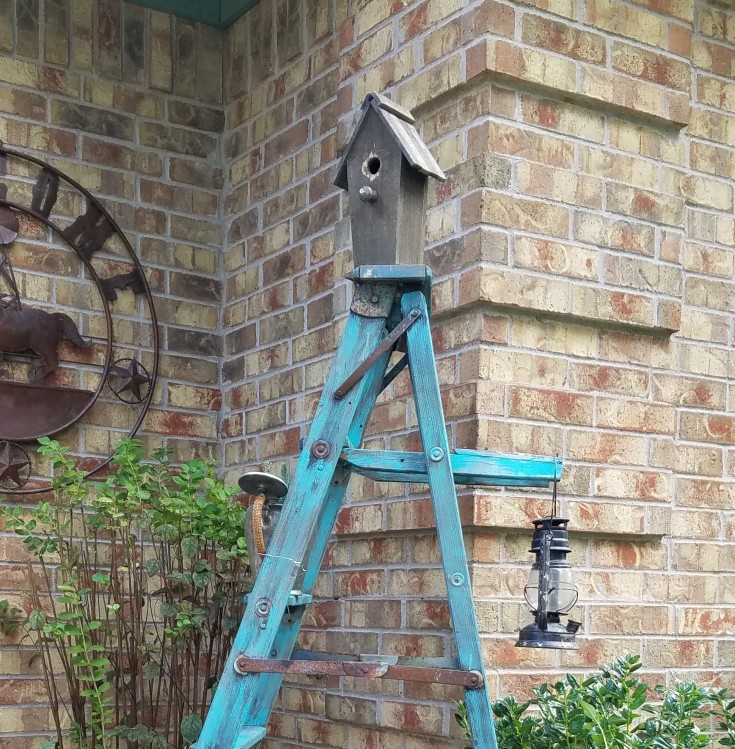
[129, 103]
[583, 248]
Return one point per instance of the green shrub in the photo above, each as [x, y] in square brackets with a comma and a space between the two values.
[610, 710]
[137, 585]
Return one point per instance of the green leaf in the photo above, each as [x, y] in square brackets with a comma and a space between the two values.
[70, 616]
[191, 727]
[152, 567]
[169, 610]
[101, 578]
[180, 578]
[588, 710]
[202, 574]
[166, 531]
[36, 620]
[189, 546]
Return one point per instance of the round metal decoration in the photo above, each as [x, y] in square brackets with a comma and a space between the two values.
[79, 342]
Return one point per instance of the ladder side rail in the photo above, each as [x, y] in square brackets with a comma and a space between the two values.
[231, 707]
[285, 642]
[427, 398]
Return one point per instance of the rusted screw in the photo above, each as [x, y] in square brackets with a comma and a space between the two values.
[475, 679]
[263, 607]
[240, 665]
[321, 449]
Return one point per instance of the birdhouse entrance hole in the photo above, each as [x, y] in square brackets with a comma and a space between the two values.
[373, 165]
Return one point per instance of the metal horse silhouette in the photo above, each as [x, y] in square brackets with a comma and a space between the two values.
[38, 331]
[33, 329]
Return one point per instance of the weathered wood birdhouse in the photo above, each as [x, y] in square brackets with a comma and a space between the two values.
[385, 168]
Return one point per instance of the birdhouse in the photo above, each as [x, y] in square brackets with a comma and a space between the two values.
[385, 168]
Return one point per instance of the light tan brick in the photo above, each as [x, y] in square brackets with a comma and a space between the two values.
[551, 405]
[525, 64]
[641, 485]
[555, 184]
[657, 68]
[601, 447]
[431, 83]
[559, 337]
[626, 21]
[637, 416]
[580, 122]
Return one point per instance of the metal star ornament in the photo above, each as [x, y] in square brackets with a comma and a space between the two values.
[131, 377]
[15, 465]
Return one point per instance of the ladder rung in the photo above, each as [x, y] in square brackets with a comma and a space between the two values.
[249, 736]
[361, 669]
[295, 598]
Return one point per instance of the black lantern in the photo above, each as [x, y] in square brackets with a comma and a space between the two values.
[551, 591]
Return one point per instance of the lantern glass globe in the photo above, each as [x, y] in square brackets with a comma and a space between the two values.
[562, 589]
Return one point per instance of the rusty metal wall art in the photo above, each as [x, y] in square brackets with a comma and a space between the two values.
[79, 341]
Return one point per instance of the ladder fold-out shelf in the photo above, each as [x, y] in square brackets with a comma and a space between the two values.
[475, 467]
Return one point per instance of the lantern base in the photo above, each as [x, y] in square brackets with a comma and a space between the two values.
[555, 636]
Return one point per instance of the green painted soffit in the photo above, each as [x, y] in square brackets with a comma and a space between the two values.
[219, 13]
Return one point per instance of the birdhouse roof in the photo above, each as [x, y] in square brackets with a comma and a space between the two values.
[399, 122]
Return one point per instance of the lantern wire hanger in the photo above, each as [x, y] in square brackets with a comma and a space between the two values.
[551, 591]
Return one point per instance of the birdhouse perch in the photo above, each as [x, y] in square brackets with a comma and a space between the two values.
[384, 168]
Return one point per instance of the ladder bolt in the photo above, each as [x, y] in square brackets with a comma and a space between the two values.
[321, 449]
[476, 679]
[457, 579]
[436, 454]
[263, 607]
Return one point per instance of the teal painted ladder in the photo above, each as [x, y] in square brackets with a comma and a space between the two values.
[390, 311]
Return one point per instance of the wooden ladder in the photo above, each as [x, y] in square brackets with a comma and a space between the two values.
[389, 313]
